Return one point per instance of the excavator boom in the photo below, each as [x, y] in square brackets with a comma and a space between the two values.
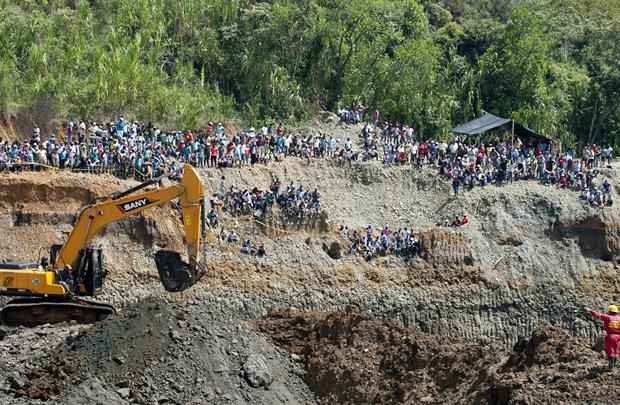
[76, 269]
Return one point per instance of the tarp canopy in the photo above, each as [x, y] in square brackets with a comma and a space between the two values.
[489, 122]
[481, 125]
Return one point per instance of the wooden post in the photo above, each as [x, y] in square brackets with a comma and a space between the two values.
[513, 133]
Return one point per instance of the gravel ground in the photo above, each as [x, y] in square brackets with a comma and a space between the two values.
[154, 353]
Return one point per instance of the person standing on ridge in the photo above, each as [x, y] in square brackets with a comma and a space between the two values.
[611, 323]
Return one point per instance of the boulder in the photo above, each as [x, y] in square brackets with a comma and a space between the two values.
[333, 250]
[256, 371]
[94, 391]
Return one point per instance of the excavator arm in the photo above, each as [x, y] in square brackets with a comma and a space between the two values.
[53, 294]
[174, 274]
[114, 208]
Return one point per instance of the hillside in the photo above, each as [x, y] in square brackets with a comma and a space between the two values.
[512, 283]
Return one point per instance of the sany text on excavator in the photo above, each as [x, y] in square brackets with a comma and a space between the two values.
[50, 291]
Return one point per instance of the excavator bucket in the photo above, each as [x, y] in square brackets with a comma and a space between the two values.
[174, 273]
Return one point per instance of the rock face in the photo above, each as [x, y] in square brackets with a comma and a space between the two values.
[497, 315]
[598, 236]
[278, 223]
[442, 247]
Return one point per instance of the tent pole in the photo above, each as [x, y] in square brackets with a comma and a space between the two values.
[513, 133]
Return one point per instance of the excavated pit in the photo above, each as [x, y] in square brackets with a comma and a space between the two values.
[351, 359]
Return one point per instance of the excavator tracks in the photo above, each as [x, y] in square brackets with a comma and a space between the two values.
[38, 311]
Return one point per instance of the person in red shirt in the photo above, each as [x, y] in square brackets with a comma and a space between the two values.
[611, 323]
[460, 222]
[213, 153]
[465, 220]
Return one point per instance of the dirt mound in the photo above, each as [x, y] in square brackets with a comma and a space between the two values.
[153, 353]
[351, 358]
[54, 189]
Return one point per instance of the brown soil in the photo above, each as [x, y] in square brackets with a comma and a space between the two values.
[51, 189]
[353, 359]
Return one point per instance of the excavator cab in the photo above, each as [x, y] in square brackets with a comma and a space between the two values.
[90, 273]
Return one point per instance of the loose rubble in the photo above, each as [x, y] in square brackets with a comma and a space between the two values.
[352, 359]
[153, 353]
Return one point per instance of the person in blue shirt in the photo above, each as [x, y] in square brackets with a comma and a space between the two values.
[120, 127]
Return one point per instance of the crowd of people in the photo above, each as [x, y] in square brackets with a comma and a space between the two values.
[247, 246]
[141, 150]
[122, 148]
[371, 243]
[294, 201]
[126, 148]
[470, 165]
[598, 196]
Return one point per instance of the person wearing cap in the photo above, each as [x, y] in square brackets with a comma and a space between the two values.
[611, 324]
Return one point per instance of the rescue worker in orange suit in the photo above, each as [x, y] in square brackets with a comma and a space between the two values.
[611, 323]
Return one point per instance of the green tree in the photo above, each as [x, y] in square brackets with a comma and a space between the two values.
[514, 74]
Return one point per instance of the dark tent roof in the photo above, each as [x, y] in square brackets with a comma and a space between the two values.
[481, 125]
[489, 121]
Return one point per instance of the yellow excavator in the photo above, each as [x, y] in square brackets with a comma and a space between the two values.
[50, 291]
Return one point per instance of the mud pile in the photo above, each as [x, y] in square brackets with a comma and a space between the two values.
[351, 359]
[553, 367]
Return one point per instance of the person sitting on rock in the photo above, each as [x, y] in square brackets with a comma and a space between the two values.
[275, 186]
[464, 220]
[611, 323]
[222, 235]
[217, 203]
[232, 237]
[460, 221]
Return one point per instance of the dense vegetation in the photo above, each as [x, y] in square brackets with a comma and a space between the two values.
[552, 64]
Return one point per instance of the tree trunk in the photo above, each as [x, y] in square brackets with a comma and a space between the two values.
[593, 121]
